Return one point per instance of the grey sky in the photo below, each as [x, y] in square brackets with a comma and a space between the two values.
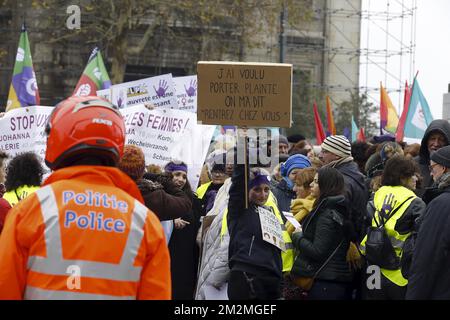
[432, 52]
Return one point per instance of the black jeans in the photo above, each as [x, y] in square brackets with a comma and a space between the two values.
[246, 286]
[330, 290]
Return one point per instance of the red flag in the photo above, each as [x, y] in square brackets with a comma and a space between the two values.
[330, 119]
[401, 123]
[360, 136]
[320, 133]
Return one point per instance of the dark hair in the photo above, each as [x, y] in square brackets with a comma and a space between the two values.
[331, 183]
[3, 155]
[412, 150]
[187, 189]
[397, 168]
[359, 154]
[24, 169]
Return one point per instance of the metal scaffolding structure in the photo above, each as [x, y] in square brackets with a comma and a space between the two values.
[385, 49]
[388, 42]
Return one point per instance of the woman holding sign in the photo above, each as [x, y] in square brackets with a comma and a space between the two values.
[256, 239]
[323, 243]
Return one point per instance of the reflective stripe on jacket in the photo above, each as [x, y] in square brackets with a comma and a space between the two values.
[287, 256]
[80, 240]
[400, 194]
[202, 190]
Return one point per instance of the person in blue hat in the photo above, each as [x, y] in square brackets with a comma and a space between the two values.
[284, 190]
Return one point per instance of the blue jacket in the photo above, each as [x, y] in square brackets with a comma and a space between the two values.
[284, 195]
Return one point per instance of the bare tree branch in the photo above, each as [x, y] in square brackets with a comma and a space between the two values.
[138, 49]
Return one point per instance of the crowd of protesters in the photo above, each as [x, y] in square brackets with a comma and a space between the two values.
[367, 220]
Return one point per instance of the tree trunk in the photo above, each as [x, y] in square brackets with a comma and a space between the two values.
[119, 56]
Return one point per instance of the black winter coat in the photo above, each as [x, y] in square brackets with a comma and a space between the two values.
[423, 159]
[247, 250]
[430, 269]
[169, 202]
[324, 229]
[357, 196]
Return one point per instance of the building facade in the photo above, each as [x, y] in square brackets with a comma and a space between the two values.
[323, 48]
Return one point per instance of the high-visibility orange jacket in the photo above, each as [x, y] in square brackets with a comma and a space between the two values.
[84, 235]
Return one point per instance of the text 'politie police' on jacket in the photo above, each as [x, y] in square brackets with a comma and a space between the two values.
[94, 220]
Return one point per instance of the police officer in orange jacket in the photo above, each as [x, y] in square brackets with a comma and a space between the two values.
[85, 234]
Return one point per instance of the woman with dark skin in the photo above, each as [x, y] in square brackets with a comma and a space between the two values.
[23, 177]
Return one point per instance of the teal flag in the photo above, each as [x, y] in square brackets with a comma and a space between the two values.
[354, 130]
[419, 114]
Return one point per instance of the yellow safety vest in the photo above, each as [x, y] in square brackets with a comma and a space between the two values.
[287, 256]
[398, 240]
[22, 192]
[202, 190]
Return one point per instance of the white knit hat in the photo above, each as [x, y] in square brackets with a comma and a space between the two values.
[338, 145]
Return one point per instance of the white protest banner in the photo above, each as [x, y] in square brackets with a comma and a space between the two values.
[23, 130]
[105, 93]
[158, 91]
[166, 134]
[163, 135]
[186, 90]
[271, 228]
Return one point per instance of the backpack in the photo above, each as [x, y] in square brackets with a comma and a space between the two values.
[379, 249]
[407, 254]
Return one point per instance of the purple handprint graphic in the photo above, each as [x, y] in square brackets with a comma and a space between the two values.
[161, 91]
[388, 204]
[191, 91]
[121, 99]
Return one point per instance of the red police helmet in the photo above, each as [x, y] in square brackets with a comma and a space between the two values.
[84, 125]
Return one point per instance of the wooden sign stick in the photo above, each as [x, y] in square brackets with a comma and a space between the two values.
[246, 170]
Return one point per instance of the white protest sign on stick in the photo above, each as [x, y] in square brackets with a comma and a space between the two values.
[186, 90]
[23, 130]
[271, 228]
[158, 91]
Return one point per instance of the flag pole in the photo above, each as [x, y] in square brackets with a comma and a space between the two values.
[381, 98]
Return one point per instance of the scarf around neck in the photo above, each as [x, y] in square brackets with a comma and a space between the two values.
[338, 162]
